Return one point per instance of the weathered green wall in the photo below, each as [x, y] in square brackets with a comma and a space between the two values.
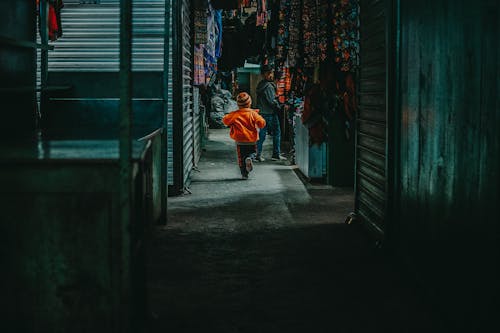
[449, 153]
[68, 262]
[17, 70]
[89, 109]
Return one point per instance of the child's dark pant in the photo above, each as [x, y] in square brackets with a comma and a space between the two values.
[245, 151]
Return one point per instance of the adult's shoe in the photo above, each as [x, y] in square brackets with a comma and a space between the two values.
[278, 158]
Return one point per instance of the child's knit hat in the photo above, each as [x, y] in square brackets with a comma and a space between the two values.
[244, 100]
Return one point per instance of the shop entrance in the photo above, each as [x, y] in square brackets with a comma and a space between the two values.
[313, 49]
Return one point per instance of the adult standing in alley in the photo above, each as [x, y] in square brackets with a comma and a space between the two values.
[269, 106]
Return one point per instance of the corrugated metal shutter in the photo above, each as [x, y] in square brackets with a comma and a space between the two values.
[187, 92]
[371, 131]
[90, 37]
[170, 105]
[196, 126]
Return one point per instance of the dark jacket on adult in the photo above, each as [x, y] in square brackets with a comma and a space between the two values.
[266, 97]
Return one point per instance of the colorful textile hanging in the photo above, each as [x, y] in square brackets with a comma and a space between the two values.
[323, 27]
[200, 26]
[284, 84]
[346, 33]
[283, 31]
[210, 49]
[262, 13]
[198, 66]
[218, 33]
[294, 36]
[310, 23]
[245, 3]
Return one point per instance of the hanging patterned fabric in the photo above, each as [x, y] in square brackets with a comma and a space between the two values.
[200, 26]
[323, 29]
[198, 65]
[262, 13]
[233, 40]
[345, 33]
[210, 49]
[254, 39]
[283, 31]
[284, 84]
[245, 3]
[294, 34]
[218, 33]
[310, 22]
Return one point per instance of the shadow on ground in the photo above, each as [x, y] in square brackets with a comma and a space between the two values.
[271, 254]
[272, 275]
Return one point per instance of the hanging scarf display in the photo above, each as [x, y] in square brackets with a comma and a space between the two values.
[198, 66]
[322, 10]
[218, 33]
[262, 13]
[283, 31]
[284, 83]
[345, 33]
[234, 51]
[209, 51]
[310, 22]
[244, 3]
[200, 26]
[294, 33]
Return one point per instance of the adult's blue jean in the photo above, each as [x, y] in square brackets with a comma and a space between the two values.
[273, 128]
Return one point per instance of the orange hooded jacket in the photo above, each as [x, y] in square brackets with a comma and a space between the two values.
[244, 123]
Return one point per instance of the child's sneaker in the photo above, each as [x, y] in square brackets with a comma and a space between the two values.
[248, 164]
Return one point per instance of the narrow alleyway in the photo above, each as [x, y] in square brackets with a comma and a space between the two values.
[271, 254]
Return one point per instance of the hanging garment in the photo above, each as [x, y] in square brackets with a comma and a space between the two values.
[218, 33]
[52, 24]
[254, 37]
[200, 26]
[314, 114]
[225, 4]
[345, 32]
[198, 66]
[295, 36]
[245, 3]
[233, 45]
[58, 5]
[282, 32]
[209, 49]
[284, 84]
[310, 22]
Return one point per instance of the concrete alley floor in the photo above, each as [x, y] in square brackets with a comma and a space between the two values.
[271, 254]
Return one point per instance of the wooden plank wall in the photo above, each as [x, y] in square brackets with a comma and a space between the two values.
[449, 153]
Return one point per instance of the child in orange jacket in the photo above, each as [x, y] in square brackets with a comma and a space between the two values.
[243, 124]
